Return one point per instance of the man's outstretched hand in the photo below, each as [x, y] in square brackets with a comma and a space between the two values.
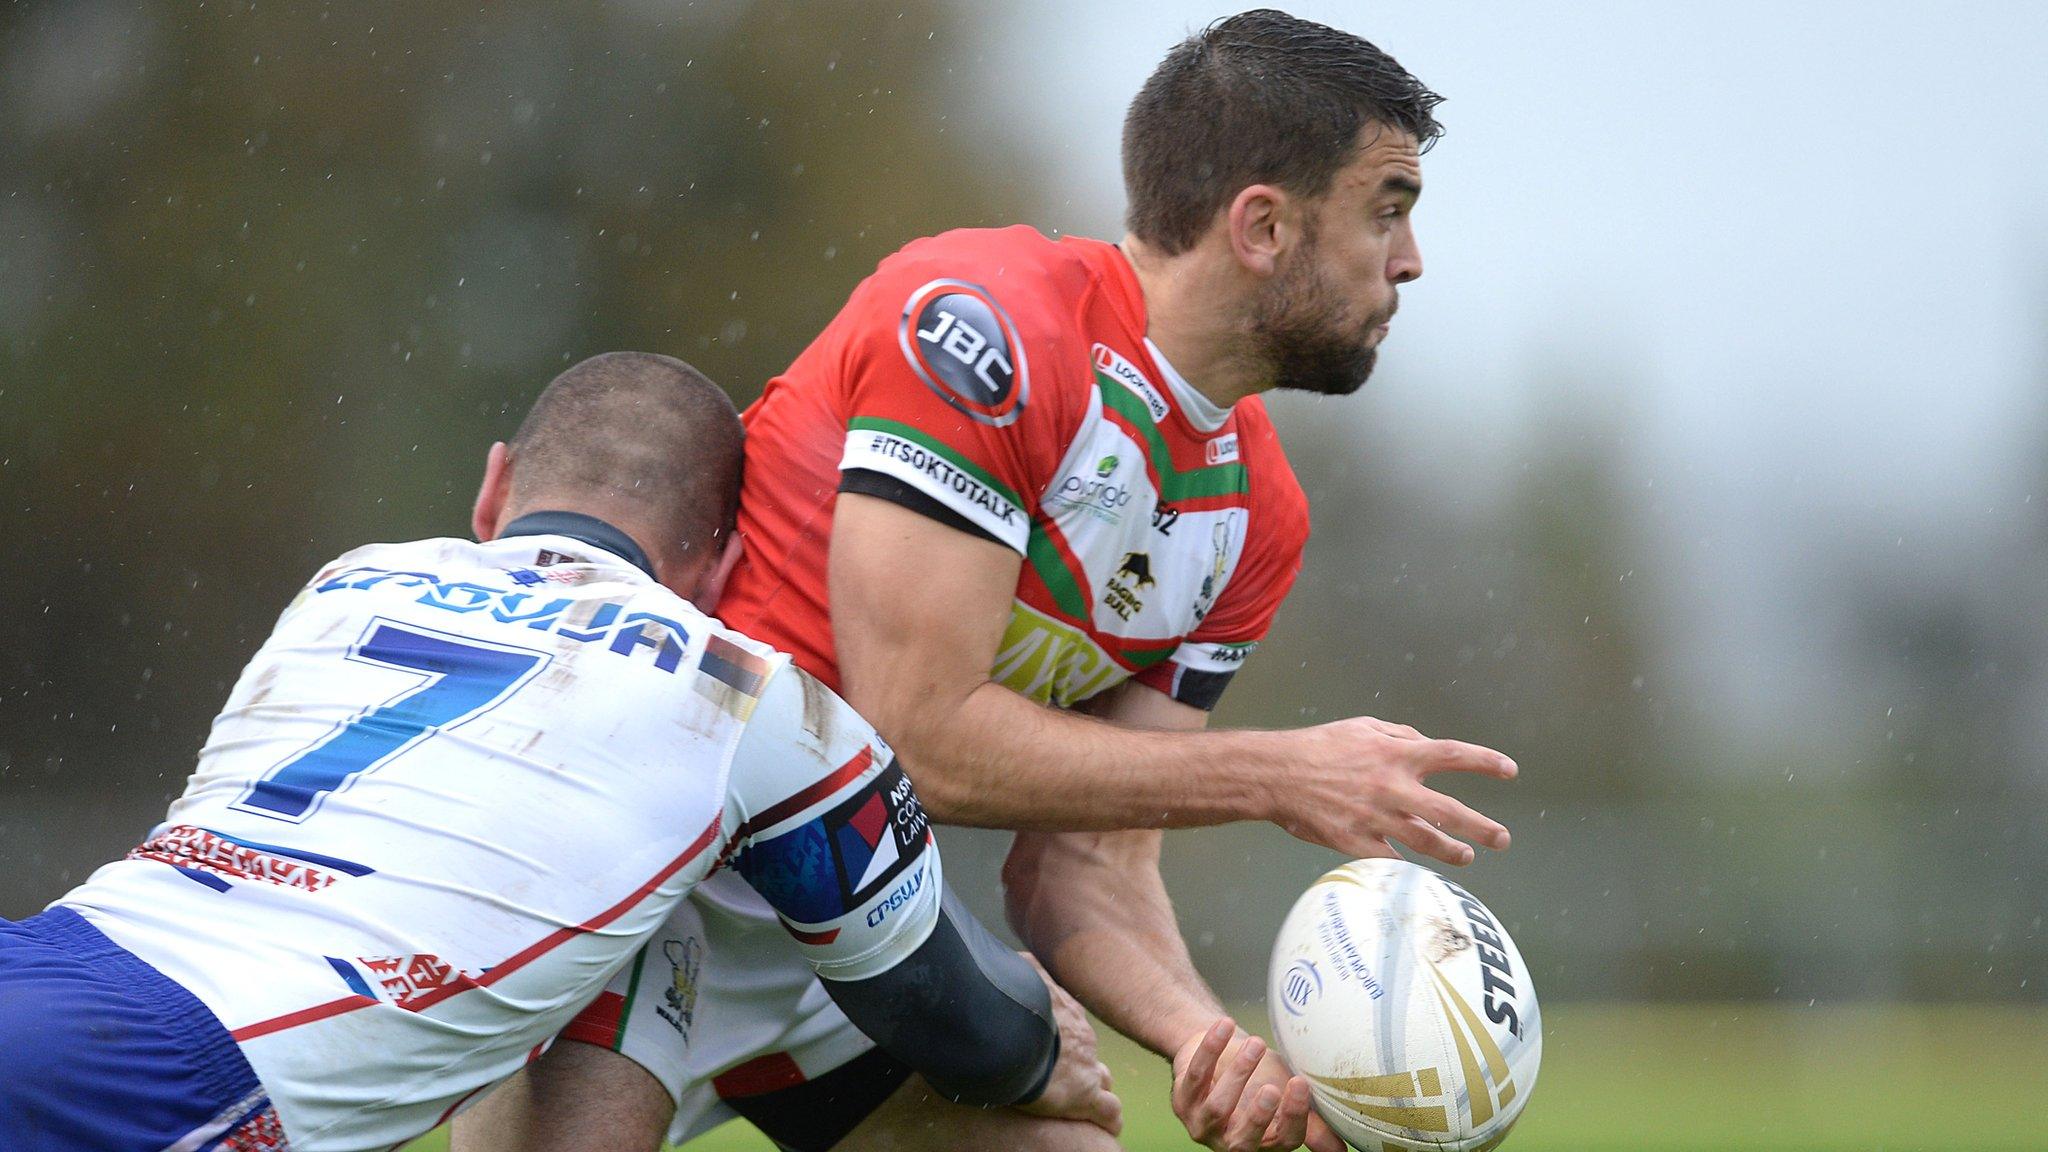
[1357, 785]
[1234, 1095]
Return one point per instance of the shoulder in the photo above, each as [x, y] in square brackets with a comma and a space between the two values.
[1032, 284]
[989, 319]
[1019, 259]
[1279, 507]
[420, 556]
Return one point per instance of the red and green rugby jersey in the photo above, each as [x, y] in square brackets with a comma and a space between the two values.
[1001, 382]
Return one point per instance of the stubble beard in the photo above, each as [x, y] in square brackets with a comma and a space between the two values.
[1301, 330]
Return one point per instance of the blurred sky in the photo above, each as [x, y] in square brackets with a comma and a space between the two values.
[1789, 262]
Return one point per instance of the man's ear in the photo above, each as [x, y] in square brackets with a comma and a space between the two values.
[1260, 226]
[711, 588]
[487, 517]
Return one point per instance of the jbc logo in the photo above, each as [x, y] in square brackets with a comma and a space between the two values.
[976, 352]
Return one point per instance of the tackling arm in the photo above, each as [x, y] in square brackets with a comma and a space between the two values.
[831, 833]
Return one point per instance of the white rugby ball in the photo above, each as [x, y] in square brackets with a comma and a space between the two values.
[1404, 1003]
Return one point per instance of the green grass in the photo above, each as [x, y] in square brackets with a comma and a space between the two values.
[1636, 1078]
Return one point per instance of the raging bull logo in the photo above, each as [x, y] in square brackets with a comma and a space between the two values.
[1120, 597]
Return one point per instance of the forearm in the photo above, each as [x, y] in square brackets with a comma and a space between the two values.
[1093, 909]
[965, 1012]
[995, 759]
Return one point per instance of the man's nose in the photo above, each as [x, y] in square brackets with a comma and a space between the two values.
[1405, 264]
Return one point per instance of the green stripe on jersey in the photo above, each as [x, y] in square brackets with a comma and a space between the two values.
[1053, 572]
[1212, 480]
[632, 994]
[906, 432]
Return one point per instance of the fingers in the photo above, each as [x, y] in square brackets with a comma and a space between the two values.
[1458, 756]
[1321, 1138]
[1192, 1083]
[1229, 1089]
[1431, 841]
[1107, 1112]
[1290, 1124]
[1249, 1123]
[1454, 816]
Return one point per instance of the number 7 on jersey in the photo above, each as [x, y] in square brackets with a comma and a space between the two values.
[463, 678]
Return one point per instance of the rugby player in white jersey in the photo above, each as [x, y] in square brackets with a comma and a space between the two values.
[458, 788]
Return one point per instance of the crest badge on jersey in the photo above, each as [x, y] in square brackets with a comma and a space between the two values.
[963, 346]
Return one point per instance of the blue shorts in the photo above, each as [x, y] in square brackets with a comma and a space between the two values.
[99, 1052]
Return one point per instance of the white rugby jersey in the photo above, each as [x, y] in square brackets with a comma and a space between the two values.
[459, 787]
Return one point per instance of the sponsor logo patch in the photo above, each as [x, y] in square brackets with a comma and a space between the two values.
[937, 467]
[1221, 450]
[192, 849]
[828, 866]
[679, 999]
[1219, 561]
[1121, 594]
[732, 677]
[963, 346]
[402, 980]
[1098, 495]
[1116, 367]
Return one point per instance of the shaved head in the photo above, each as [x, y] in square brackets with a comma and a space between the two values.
[644, 441]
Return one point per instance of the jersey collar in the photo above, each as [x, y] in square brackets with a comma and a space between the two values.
[586, 529]
[1205, 414]
[1201, 414]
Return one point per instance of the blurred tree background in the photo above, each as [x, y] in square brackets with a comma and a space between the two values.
[273, 277]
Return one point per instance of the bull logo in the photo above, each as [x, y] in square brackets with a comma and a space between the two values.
[1137, 566]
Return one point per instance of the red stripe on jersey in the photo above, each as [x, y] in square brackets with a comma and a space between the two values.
[782, 810]
[768, 1073]
[599, 1024]
[465, 1099]
[816, 938]
[302, 1016]
[512, 964]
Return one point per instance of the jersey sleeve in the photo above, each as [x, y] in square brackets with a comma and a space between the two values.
[955, 380]
[1205, 662]
[830, 831]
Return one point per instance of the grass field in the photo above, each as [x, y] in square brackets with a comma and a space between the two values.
[1634, 1078]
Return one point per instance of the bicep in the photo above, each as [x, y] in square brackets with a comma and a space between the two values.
[918, 607]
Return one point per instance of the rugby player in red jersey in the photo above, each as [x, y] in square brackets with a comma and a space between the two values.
[1017, 472]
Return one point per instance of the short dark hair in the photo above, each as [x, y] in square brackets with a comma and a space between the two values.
[1257, 98]
[635, 431]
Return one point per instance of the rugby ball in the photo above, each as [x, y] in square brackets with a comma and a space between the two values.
[1404, 1003]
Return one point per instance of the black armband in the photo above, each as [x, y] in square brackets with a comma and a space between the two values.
[971, 1016]
[882, 486]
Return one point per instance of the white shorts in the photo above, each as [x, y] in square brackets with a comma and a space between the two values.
[718, 1006]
